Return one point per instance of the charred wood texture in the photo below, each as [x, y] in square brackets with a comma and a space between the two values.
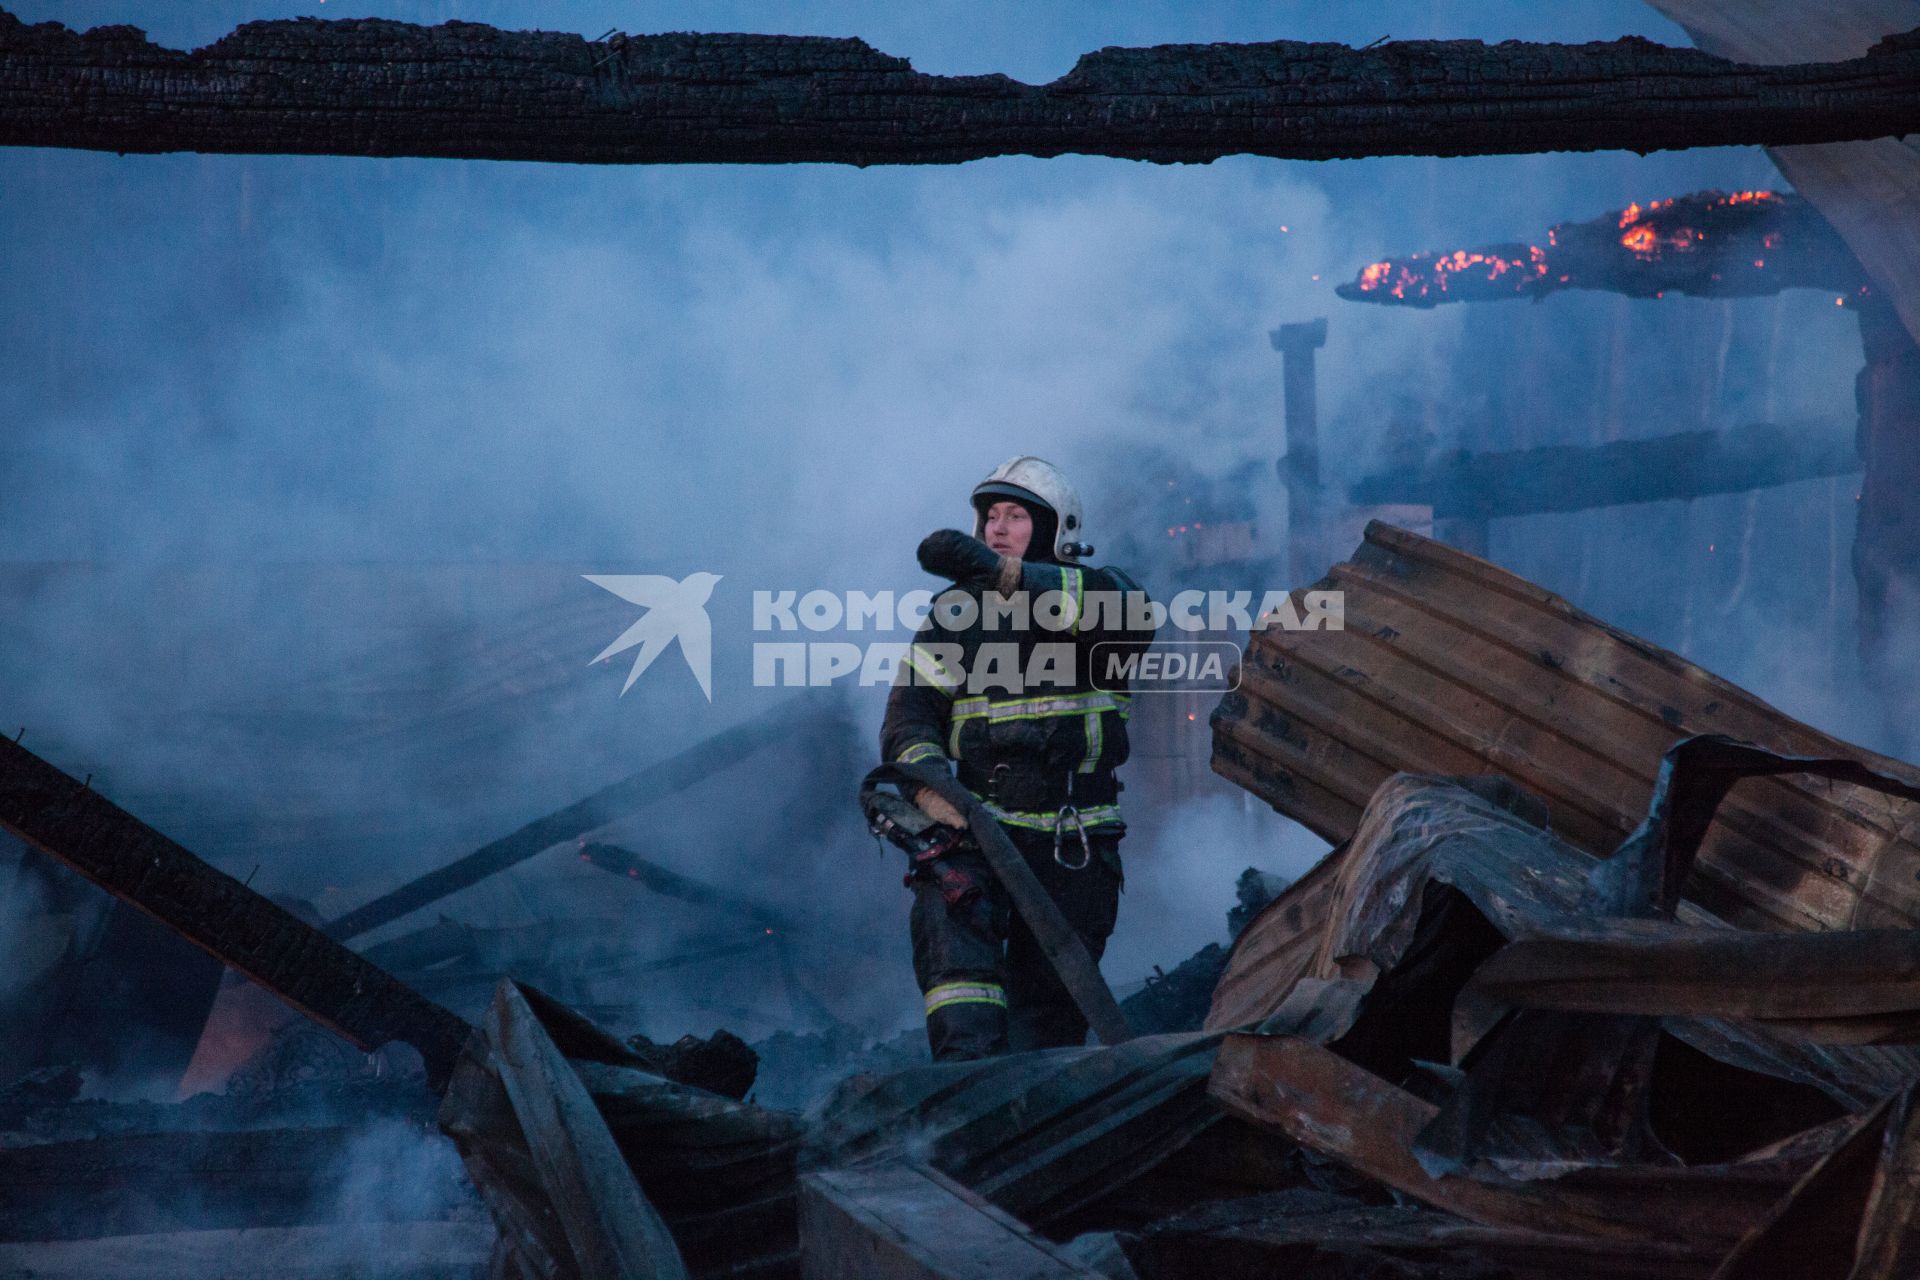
[298, 963]
[462, 90]
[1690, 464]
[1709, 244]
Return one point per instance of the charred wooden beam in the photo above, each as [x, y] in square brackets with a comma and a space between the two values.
[606, 805]
[1043, 1134]
[897, 1221]
[618, 860]
[468, 91]
[280, 952]
[1710, 244]
[1308, 1233]
[1690, 464]
[609, 1226]
[1846, 987]
[365, 1251]
[1328, 1105]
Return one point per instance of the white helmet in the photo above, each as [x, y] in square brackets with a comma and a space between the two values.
[1035, 480]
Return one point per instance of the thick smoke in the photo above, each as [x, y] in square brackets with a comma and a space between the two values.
[306, 456]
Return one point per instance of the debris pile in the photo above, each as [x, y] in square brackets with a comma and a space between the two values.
[1612, 972]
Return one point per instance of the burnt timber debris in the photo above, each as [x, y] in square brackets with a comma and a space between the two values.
[1610, 973]
[316, 975]
[463, 90]
[1710, 244]
[575, 822]
[1687, 464]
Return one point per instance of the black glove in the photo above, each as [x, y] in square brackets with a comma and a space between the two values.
[951, 554]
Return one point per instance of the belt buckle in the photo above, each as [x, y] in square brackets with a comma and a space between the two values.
[1059, 829]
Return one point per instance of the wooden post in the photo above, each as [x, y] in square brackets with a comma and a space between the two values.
[1886, 547]
[1296, 344]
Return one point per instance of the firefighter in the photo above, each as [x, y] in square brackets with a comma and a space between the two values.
[1011, 701]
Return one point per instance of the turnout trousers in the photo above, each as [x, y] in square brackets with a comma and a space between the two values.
[988, 987]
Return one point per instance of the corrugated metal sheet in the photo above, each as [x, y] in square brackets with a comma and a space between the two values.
[1450, 665]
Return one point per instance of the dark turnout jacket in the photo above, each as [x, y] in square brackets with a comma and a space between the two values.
[1032, 717]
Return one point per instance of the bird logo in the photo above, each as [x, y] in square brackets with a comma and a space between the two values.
[674, 611]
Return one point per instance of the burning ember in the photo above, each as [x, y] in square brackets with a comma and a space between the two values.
[1710, 244]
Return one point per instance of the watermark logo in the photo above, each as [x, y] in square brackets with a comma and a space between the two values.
[967, 643]
[1170, 666]
[674, 611]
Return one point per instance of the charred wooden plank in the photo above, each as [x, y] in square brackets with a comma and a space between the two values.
[241, 928]
[597, 810]
[367, 1251]
[478, 1115]
[897, 1221]
[1690, 464]
[1077, 1136]
[1448, 663]
[470, 91]
[610, 1227]
[1308, 1233]
[1331, 1106]
[1849, 987]
[1039, 1134]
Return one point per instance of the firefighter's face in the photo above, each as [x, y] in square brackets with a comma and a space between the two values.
[1009, 529]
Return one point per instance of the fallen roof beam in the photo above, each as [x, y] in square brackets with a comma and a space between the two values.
[1328, 1105]
[316, 975]
[1840, 987]
[894, 1221]
[597, 810]
[1558, 478]
[464, 90]
[608, 1222]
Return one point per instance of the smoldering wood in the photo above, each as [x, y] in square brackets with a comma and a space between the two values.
[1709, 244]
[903, 1221]
[611, 1229]
[327, 982]
[604, 806]
[462, 90]
[1561, 478]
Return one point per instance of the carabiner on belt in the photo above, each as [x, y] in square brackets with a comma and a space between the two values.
[1060, 820]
